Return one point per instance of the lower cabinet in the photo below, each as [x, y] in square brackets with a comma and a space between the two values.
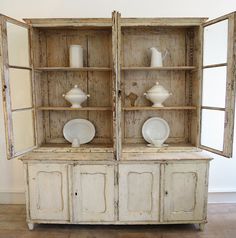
[118, 193]
[93, 193]
[185, 191]
[139, 192]
[48, 192]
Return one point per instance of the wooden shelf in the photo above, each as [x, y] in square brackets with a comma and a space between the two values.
[160, 68]
[159, 108]
[61, 69]
[75, 109]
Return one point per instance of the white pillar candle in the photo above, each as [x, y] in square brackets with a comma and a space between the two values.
[76, 56]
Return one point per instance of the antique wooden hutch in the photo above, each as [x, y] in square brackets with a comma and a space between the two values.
[117, 179]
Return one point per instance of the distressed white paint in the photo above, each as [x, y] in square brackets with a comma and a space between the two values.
[185, 191]
[48, 192]
[139, 192]
[93, 193]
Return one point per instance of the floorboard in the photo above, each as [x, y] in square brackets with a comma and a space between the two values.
[221, 224]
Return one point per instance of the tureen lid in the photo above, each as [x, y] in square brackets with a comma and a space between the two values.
[157, 88]
[75, 91]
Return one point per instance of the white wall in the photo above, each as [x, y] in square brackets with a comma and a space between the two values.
[222, 171]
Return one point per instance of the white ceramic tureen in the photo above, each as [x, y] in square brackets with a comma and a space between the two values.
[157, 95]
[76, 96]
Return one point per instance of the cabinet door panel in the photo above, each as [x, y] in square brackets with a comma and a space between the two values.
[185, 191]
[17, 83]
[218, 64]
[139, 192]
[93, 197]
[48, 192]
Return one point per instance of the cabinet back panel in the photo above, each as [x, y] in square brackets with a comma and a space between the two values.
[52, 50]
[177, 122]
[137, 41]
[135, 52]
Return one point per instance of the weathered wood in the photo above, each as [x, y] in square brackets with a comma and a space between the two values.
[137, 204]
[230, 87]
[166, 68]
[172, 22]
[159, 108]
[69, 22]
[75, 109]
[190, 180]
[58, 69]
[48, 186]
[6, 90]
[90, 182]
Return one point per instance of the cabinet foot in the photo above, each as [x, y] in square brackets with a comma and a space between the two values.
[202, 226]
[31, 226]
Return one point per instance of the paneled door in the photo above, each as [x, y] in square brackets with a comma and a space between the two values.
[139, 192]
[185, 191]
[93, 193]
[48, 192]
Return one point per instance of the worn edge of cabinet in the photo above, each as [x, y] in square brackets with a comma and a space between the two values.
[206, 193]
[93, 157]
[6, 89]
[118, 89]
[231, 82]
[162, 192]
[71, 191]
[114, 75]
[33, 95]
[145, 222]
[66, 22]
[162, 21]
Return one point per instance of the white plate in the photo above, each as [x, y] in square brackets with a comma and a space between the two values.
[155, 129]
[80, 129]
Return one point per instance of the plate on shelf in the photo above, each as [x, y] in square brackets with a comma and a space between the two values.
[81, 129]
[155, 131]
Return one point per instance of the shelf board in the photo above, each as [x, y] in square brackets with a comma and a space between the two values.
[69, 69]
[159, 68]
[75, 109]
[159, 108]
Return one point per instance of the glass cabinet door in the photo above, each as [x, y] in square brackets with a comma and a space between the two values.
[218, 86]
[17, 84]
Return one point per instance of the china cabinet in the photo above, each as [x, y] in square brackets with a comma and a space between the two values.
[117, 178]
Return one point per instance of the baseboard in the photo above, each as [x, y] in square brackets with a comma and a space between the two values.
[214, 196]
[12, 197]
[222, 196]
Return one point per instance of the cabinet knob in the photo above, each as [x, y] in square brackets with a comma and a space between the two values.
[166, 192]
[76, 193]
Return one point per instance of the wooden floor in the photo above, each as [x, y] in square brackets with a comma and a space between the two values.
[221, 224]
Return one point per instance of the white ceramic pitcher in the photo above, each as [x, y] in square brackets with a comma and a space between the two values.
[156, 57]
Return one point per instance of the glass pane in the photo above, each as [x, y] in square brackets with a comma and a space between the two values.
[214, 87]
[215, 43]
[23, 130]
[18, 45]
[212, 129]
[20, 86]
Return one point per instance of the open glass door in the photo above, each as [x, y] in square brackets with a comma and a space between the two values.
[218, 85]
[17, 84]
